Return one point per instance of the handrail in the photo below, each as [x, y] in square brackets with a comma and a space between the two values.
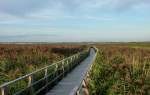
[78, 89]
[57, 71]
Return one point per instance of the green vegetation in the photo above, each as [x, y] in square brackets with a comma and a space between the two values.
[18, 60]
[120, 71]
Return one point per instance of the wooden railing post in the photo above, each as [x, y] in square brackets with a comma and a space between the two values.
[45, 72]
[4, 91]
[63, 68]
[77, 93]
[46, 79]
[30, 80]
[56, 70]
[71, 62]
[71, 59]
[68, 68]
[76, 58]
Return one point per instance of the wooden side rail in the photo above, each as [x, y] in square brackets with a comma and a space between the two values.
[81, 89]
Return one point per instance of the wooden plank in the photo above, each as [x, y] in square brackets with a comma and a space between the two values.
[74, 78]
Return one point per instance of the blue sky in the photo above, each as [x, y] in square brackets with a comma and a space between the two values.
[74, 20]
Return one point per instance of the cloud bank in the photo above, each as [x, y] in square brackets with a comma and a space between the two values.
[25, 7]
[25, 16]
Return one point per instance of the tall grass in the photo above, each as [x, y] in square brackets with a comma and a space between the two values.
[120, 71]
[18, 60]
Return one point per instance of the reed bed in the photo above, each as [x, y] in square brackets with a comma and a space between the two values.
[120, 71]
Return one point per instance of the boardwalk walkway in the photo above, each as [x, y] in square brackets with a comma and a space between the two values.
[74, 78]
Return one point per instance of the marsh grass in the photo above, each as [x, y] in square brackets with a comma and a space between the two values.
[18, 60]
[120, 71]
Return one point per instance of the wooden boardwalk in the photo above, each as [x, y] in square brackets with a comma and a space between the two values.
[67, 85]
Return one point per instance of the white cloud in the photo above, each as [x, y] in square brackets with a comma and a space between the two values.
[25, 16]
[21, 7]
[25, 7]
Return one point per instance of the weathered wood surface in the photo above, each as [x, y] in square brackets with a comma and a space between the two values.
[74, 78]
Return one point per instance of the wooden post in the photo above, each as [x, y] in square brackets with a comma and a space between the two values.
[68, 68]
[30, 80]
[3, 91]
[77, 93]
[45, 72]
[46, 79]
[71, 59]
[71, 62]
[63, 68]
[84, 87]
[76, 59]
[56, 70]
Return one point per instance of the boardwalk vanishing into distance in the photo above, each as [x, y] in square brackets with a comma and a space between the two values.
[62, 78]
[71, 82]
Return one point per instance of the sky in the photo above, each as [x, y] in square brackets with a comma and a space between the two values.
[74, 20]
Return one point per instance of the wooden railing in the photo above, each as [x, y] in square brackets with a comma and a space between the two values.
[79, 90]
[42, 80]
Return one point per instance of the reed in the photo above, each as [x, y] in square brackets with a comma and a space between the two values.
[120, 71]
